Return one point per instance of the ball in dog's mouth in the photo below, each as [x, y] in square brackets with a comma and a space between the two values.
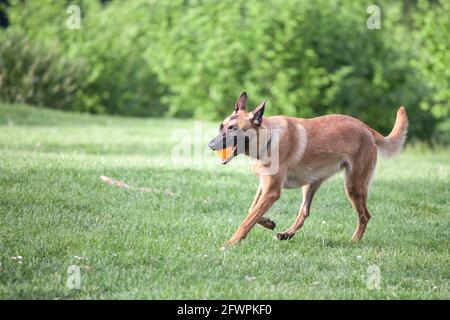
[226, 154]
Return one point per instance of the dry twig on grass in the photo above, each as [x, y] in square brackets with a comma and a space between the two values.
[123, 185]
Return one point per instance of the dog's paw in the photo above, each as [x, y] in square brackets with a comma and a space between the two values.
[267, 223]
[270, 224]
[284, 236]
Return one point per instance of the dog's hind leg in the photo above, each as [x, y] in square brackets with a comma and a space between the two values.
[357, 182]
[308, 195]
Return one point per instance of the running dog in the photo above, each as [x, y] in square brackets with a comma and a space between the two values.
[309, 151]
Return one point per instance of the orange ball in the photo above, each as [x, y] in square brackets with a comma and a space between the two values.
[224, 154]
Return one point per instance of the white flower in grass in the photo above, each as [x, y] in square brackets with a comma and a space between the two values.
[358, 257]
[249, 278]
[324, 222]
[18, 259]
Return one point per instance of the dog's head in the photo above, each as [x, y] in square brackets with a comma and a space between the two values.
[238, 130]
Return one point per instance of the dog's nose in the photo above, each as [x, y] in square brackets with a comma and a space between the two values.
[211, 145]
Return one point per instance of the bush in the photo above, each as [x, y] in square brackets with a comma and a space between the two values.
[433, 25]
[111, 42]
[310, 58]
[30, 73]
[191, 58]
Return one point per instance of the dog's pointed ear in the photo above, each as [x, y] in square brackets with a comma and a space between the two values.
[241, 102]
[257, 114]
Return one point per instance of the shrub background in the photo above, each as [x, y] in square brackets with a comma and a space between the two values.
[181, 58]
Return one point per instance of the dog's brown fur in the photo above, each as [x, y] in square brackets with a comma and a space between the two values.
[310, 151]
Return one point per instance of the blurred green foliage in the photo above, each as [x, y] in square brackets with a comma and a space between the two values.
[188, 58]
[32, 73]
[111, 43]
[433, 24]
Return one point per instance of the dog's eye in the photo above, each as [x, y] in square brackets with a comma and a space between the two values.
[232, 128]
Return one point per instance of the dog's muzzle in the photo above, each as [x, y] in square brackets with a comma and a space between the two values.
[221, 143]
[236, 141]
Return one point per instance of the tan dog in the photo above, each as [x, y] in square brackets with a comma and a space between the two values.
[309, 152]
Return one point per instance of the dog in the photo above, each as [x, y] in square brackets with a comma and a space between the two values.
[309, 151]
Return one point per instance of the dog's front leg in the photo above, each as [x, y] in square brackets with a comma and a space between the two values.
[267, 198]
[265, 222]
[257, 197]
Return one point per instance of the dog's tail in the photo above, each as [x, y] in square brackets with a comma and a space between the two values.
[392, 144]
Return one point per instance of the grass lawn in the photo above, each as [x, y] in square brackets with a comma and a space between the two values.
[56, 212]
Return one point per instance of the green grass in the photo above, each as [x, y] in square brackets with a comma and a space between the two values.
[136, 245]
